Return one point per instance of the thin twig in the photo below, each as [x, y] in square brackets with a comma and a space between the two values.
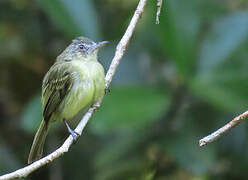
[215, 135]
[120, 50]
[159, 5]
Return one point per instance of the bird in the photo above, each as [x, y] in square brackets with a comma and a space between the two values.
[70, 87]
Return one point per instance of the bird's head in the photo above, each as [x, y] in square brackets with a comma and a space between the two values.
[81, 48]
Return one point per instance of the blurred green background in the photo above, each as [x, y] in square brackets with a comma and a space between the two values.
[178, 81]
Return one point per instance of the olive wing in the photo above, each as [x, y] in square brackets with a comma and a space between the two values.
[56, 85]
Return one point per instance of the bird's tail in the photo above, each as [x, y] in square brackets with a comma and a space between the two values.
[38, 143]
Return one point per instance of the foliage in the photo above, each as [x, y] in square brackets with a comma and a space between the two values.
[178, 81]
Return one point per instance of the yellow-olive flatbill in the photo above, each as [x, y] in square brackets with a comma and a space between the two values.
[72, 85]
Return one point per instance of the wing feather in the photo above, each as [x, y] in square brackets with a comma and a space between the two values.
[56, 85]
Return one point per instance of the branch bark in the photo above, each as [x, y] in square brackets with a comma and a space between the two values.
[119, 52]
[159, 5]
[215, 135]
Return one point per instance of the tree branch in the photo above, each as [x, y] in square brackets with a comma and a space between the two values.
[159, 5]
[215, 135]
[120, 50]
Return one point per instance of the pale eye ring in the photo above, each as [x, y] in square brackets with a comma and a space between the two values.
[81, 46]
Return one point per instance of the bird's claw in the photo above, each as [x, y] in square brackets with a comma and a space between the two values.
[75, 136]
[106, 90]
[96, 106]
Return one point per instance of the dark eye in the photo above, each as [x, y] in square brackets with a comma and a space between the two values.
[81, 46]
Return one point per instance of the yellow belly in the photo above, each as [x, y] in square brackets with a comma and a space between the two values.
[87, 88]
[80, 97]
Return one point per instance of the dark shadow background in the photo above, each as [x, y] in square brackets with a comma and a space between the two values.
[178, 81]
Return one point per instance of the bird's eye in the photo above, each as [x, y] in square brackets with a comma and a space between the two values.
[81, 46]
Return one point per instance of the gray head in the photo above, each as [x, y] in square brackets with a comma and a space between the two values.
[81, 48]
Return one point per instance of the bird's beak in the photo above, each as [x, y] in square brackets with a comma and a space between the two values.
[99, 45]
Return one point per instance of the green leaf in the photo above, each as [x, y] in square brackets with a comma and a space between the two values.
[8, 159]
[60, 16]
[180, 23]
[84, 15]
[73, 17]
[185, 150]
[32, 115]
[222, 76]
[228, 92]
[226, 35]
[129, 108]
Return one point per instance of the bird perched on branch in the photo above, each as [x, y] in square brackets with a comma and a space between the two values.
[70, 87]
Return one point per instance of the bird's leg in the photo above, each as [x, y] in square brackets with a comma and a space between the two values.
[74, 134]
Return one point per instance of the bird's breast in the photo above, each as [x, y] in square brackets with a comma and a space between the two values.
[81, 94]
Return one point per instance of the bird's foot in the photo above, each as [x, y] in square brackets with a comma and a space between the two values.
[106, 90]
[96, 106]
[74, 134]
